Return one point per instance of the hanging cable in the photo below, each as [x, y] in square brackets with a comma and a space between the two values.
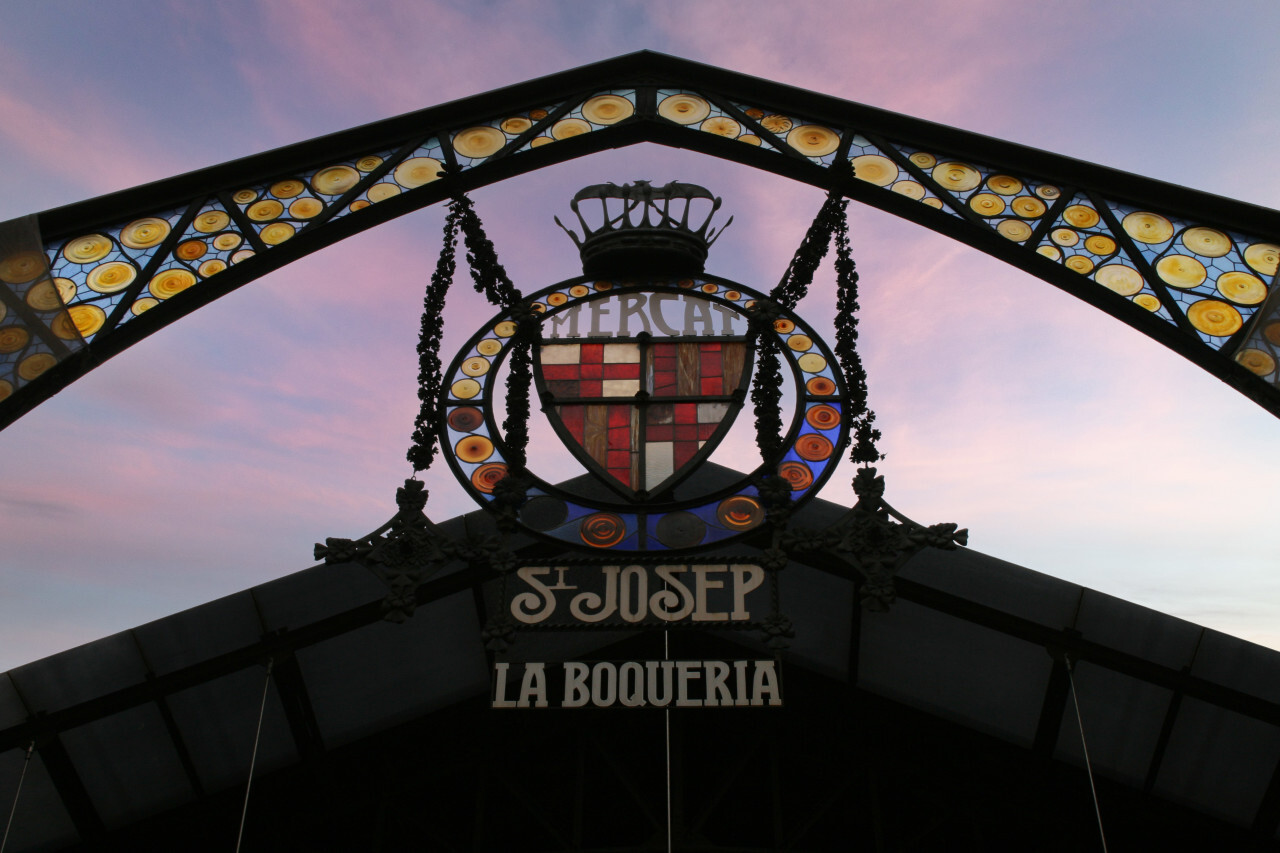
[257, 737]
[26, 762]
[1088, 766]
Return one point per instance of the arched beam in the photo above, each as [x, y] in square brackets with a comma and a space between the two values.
[1194, 271]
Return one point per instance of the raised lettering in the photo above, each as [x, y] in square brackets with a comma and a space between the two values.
[741, 588]
[652, 669]
[702, 584]
[603, 608]
[765, 682]
[533, 687]
[632, 603]
[663, 603]
[533, 607]
[604, 684]
[500, 699]
[717, 691]
[686, 671]
[575, 685]
[631, 684]
[632, 306]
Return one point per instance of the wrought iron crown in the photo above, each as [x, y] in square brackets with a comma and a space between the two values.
[645, 230]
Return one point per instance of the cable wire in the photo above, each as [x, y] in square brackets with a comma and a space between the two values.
[1088, 765]
[14, 810]
[257, 738]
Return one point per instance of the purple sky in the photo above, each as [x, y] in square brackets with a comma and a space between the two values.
[211, 456]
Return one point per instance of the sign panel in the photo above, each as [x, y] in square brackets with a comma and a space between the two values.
[637, 684]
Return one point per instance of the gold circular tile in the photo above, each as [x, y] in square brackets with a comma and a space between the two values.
[479, 142]
[211, 221]
[776, 123]
[569, 127]
[86, 318]
[1206, 242]
[813, 140]
[334, 180]
[986, 204]
[191, 250]
[750, 139]
[1215, 318]
[957, 177]
[1242, 288]
[87, 249]
[1004, 184]
[1047, 191]
[244, 196]
[13, 338]
[911, 189]
[34, 365]
[1124, 280]
[1028, 207]
[111, 277]
[1100, 244]
[1080, 264]
[610, 109]
[515, 125]
[721, 126]
[287, 189]
[876, 169]
[242, 255]
[1263, 257]
[489, 347]
[306, 208]
[144, 233]
[475, 366]
[1145, 227]
[143, 305]
[1064, 236]
[50, 295]
[800, 343]
[276, 233]
[1053, 253]
[811, 362]
[1013, 229]
[226, 242]
[417, 171]
[1148, 301]
[923, 159]
[170, 283]
[212, 267]
[1181, 271]
[1081, 216]
[383, 191]
[265, 210]
[368, 164]
[1258, 361]
[505, 329]
[465, 389]
[474, 448]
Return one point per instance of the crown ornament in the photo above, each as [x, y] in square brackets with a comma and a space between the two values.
[644, 230]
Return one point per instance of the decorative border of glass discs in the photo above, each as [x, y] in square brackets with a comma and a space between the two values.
[476, 450]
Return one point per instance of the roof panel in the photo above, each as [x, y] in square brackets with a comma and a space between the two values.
[821, 606]
[1137, 630]
[128, 765]
[1218, 761]
[956, 669]
[1237, 663]
[1122, 721]
[384, 673]
[200, 633]
[80, 674]
[995, 583]
[217, 721]
[312, 594]
[40, 820]
[12, 711]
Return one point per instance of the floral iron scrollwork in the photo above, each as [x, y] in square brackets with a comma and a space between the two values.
[875, 539]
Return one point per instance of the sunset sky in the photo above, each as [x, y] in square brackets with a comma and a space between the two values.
[212, 455]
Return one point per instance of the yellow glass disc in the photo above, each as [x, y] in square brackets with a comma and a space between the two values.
[144, 233]
[1028, 207]
[87, 249]
[335, 180]
[1125, 281]
[987, 204]
[1081, 216]
[276, 233]
[475, 366]
[1004, 184]
[750, 139]
[242, 255]
[1258, 361]
[1080, 264]
[721, 126]
[13, 338]
[957, 177]
[417, 171]
[226, 242]
[87, 318]
[170, 283]
[923, 160]
[537, 115]
[567, 127]
[368, 164]
[782, 325]
[111, 277]
[191, 250]
[1181, 271]
[465, 389]
[213, 267]
[211, 220]
[305, 208]
[1099, 244]
[244, 196]
[505, 329]
[539, 141]
[684, 109]
[580, 290]
[489, 347]
[265, 210]
[936, 204]
[1206, 242]
[1146, 300]
[1242, 288]
[800, 343]
[383, 191]
[777, 123]
[1053, 253]
[1064, 236]
[1215, 318]
[911, 189]
[480, 141]
[516, 125]
[6, 388]
[811, 362]
[144, 304]
[45, 296]
[287, 189]
[33, 365]
[611, 109]
[358, 204]
[555, 299]
[1263, 257]
[1047, 191]
[21, 267]
[1014, 229]
[1148, 227]
[813, 140]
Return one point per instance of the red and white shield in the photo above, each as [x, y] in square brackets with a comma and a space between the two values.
[643, 412]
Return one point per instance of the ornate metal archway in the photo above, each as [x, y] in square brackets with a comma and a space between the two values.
[1194, 271]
